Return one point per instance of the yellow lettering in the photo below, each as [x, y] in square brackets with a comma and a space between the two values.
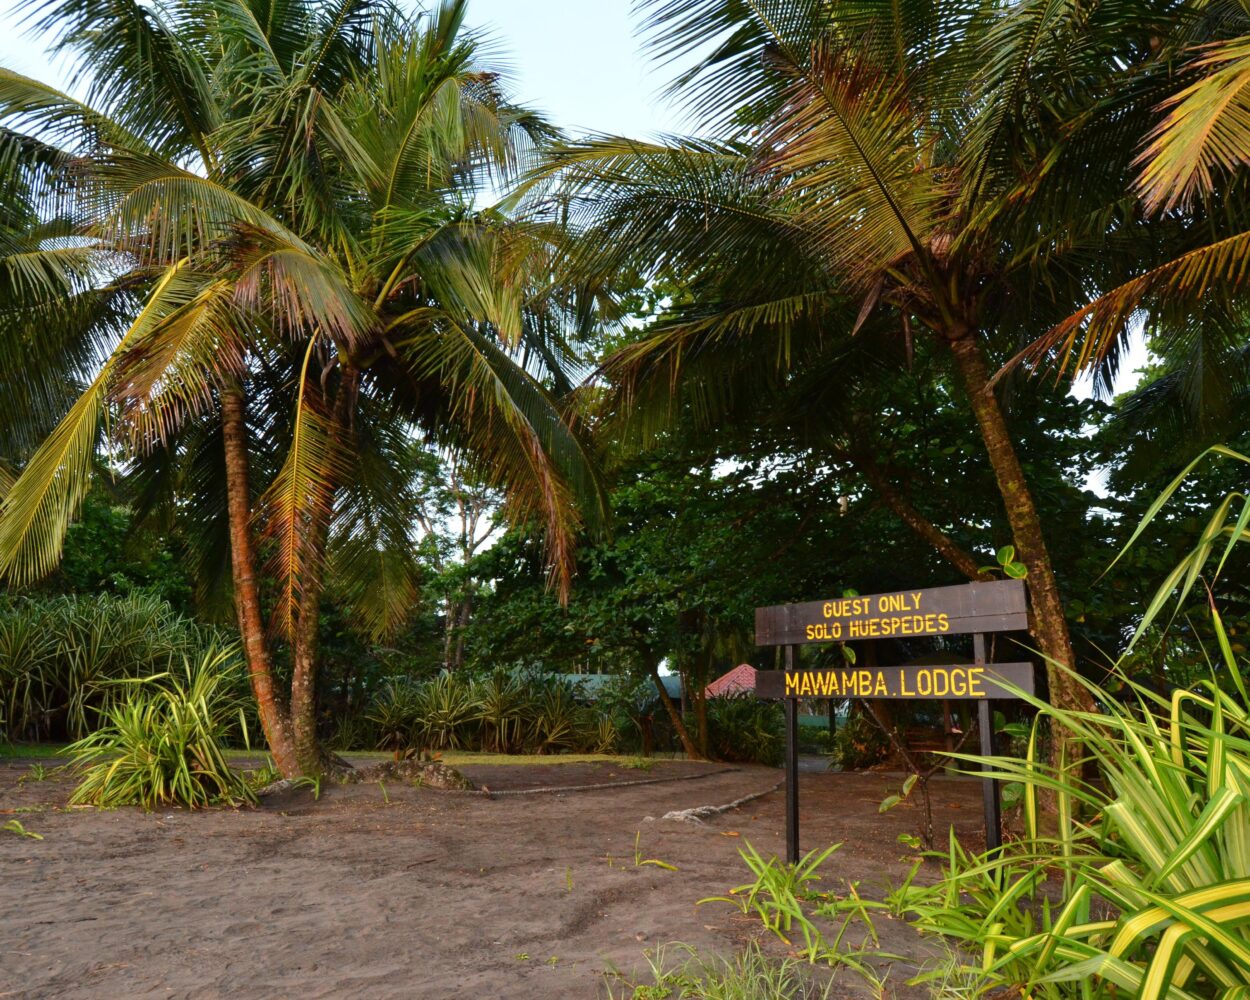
[959, 682]
[915, 600]
[810, 631]
[792, 684]
[924, 683]
[904, 690]
[850, 683]
[941, 684]
[943, 623]
[881, 688]
[827, 609]
[974, 682]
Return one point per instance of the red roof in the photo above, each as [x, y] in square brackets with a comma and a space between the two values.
[740, 679]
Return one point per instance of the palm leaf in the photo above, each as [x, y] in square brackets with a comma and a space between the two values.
[36, 510]
[302, 493]
[1205, 129]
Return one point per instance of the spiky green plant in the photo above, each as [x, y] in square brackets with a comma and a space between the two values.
[1154, 854]
[447, 709]
[60, 657]
[162, 743]
[504, 711]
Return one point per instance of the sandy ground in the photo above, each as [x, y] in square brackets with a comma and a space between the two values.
[432, 895]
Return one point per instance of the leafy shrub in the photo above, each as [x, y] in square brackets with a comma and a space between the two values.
[1154, 857]
[749, 975]
[744, 728]
[557, 719]
[60, 657]
[447, 710]
[858, 743]
[502, 712]
[394, 714]
[161, 740]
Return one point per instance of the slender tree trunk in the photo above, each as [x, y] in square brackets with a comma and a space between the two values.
[674, 716]
[304, 646]
[943, 544]
[304, 652]
[273, 715]
[1047, 624]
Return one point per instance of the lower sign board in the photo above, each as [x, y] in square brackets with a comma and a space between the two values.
[953, 681]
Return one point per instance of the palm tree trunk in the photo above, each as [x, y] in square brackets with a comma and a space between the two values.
[308, 751]
[304, 652]
[274, 719]
[1047, 623]
[674, 716]
[929, 532]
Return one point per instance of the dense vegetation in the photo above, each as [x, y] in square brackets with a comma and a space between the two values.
[328, 369]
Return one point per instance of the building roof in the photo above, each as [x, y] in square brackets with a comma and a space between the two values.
[740, 679]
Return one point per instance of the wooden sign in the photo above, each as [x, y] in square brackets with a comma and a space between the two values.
[994, 606]
[953, 681]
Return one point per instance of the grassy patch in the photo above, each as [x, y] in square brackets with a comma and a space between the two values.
[31, 751]
[457, 758]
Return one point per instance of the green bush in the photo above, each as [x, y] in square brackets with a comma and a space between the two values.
[1154, 856]
[60, 657]
[501, 712]
[859, 742]
[744, 728]
[161, 741]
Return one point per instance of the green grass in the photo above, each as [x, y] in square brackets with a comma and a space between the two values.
[31, 751]
[463, 758]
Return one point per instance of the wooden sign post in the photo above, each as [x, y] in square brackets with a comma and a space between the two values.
[976, 608]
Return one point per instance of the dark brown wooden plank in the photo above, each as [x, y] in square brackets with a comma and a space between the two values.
[960, 681]
[993, 606]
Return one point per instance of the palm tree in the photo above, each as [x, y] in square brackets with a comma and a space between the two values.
[258, 242]
[955, 171]
[1189, 169]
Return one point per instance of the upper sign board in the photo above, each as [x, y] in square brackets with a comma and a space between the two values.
[994, 606]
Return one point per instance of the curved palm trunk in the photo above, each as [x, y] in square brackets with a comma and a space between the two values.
[1047, 622]
[674, 716]
[273, 715]
[308, 752]
[926, 530]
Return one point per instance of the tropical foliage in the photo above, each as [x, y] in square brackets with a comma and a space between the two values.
[160, 742]
[61, 658]
[259, 245]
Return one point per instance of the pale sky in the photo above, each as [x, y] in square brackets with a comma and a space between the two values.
[578, 61]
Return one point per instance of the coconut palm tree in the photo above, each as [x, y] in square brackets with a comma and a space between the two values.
[952, 171]
[258, 243]
[1189, 168]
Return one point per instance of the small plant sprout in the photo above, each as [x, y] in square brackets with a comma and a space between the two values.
[15, 826]
[568, 879]
[309, 782]
[385, 795]
[522, 956]
[640, 861]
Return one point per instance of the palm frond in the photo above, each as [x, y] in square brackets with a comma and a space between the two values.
[508, 426]
[301, 493]
[36, 510]
[1083, 340]
[1205, 130]
[137, 67]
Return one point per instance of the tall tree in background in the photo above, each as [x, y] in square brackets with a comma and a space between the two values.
[255, 253]
[879, 170]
